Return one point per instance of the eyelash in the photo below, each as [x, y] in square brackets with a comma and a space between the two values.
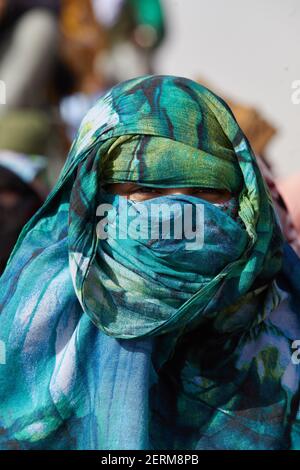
[154, 190]
[144, 190]
[206, 190]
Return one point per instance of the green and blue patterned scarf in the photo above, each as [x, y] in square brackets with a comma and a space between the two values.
[118, 344]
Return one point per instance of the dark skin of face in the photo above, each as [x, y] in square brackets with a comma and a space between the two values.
[136, 192]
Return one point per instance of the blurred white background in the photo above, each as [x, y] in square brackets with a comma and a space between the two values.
[250, 51]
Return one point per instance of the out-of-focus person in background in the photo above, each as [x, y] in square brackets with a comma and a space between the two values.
[82, 39]
[29, 37]
[25, 137]
[22, 193]
[134, 29]
[106, 42]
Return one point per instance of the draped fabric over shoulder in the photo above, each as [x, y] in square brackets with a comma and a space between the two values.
[112, 344]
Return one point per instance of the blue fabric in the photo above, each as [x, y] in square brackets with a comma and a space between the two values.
[215, 373]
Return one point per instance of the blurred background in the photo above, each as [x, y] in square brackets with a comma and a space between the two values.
[58, 56]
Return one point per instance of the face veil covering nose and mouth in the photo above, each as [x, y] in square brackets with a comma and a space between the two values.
[134, 288]
[161, 274]
[144, 344]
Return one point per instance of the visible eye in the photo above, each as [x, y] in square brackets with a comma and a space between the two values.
[205, 190]
[209, 190]
[145, 190]
[212, 194]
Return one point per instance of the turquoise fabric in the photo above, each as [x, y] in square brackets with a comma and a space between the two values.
[89, 366]
[147, 283]
[164, 162]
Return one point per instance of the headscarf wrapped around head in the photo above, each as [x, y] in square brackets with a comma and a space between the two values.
[167, 131]
[164, 162]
